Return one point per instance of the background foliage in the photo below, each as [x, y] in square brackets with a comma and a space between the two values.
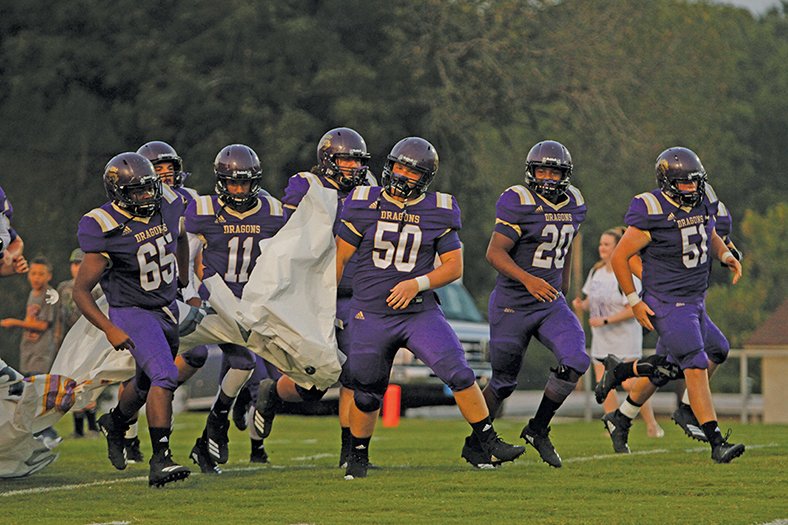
[616, 81]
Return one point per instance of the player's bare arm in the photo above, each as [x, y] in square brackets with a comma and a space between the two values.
[498, 256]
[723, 253]
[345, 251]
[90, 271]
[630, 244]
[449, 271]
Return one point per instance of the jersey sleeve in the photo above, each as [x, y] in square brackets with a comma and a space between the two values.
[356, 216]
[92, 230]
[638, 215]
[297, 186]
[508, 212]
[196, 213]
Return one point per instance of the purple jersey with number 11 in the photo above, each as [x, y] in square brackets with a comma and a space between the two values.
[395, 243]
[141, 251]
[231, 239]
[542, 233]
[677, 261]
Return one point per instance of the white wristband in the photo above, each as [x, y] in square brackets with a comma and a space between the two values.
[423, 282]
[633, 298]
[726, 256]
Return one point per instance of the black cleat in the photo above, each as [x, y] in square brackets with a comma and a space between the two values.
[265, 408]
[357, 466]
[608, 380]
[617, 425]
[726, 452]
[540, 440]
[200, 456]
[133, 452]
[164, 470]
[116, 442]
[499, 451]
[473, 453]
[241, 409]
[685, 418]
[258, 455]
[216, 439]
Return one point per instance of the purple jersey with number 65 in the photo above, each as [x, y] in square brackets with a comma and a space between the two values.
[395, 243]
[231, 239]
[542, 233]
[141, 251]
[677, 261]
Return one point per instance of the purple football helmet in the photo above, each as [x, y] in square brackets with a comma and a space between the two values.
[417, 154]
[681, 165]
[238, 163]
[157, 151]
[343, 143]
[132, 184]
[548, 154]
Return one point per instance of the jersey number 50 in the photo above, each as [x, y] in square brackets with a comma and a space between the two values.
[387, 252]
[156, 265]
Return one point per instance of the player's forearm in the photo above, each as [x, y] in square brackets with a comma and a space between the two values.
[87, 305]
[448, 272]
[505, 265]
[719, 248]
[182, 257]
[620, 263]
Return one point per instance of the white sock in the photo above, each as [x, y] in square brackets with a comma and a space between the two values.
[234, 380]
[685, 397]
[629, 410]
[131, 433]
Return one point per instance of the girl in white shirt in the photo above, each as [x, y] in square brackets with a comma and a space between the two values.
[614, 329]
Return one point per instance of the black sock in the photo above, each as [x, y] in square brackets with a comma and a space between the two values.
[79, 419]
[360, 446]
[160, 439]
[90, 415]
[257, 444]
[713, 433]
[345, 437]
[119, 419]
[483, 430]
[544, 413]
[221, 406]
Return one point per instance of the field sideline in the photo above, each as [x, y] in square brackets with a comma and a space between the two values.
[670, 480]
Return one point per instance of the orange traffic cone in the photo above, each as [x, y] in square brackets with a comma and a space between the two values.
[391, 406]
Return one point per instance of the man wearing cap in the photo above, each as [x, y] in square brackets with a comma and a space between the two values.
[67, 315]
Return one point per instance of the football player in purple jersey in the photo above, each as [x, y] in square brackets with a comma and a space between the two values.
[342, 159]
[133, 245]
[231, 225]
[715, 343]
[531, 250]
[673, 230]
[169, 167]
[396, 231]
[12, 260]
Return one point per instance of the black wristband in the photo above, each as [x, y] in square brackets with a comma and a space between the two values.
[605, 321]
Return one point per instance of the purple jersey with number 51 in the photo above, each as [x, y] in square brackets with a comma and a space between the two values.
[677, 261]
[542, 233]
[395, 243]
[231, 239]
[141, 251]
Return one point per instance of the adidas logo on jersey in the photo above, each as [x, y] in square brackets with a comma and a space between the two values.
[508, 310]
[539, 209]
[374, 205]
[126, 231]
[672, 216]
[220, 219]
[360, 315]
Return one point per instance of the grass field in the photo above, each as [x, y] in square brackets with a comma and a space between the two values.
[670, 480]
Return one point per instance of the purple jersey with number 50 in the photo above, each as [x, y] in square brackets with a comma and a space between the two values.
[677, 261]
[395, 243]
[231, 239]
[141, 251]
[542, 233]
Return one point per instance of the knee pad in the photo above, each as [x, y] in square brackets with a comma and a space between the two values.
[461, 379]
[196, 357]
[559, 388]
[659, 369]
[313, 394]
[566, 373]
[238, 357]
[659, 381]
[367, 401]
